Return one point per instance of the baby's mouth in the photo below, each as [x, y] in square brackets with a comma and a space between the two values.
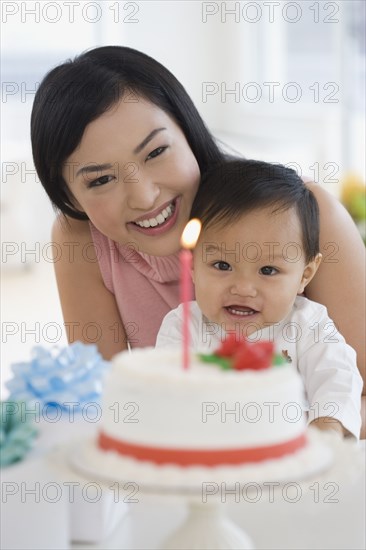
[160, 218]
[240, 311]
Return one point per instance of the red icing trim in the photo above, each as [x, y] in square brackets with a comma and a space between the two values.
[190, 457]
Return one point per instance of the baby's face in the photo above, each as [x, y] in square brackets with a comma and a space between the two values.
[247, 273]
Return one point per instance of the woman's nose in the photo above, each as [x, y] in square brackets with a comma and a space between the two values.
[141, 191]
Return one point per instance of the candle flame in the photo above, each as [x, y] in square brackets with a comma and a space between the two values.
[191, 233]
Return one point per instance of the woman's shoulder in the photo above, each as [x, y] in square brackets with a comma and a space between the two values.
[326, 200]
[74, 239]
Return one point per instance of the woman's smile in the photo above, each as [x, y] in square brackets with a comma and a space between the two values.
[158, 221]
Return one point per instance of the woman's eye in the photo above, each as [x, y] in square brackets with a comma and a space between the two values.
[155, 153]
[268, 270]
[100, 181]
[222, 266]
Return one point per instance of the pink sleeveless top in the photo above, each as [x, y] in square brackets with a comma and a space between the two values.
[146, 287]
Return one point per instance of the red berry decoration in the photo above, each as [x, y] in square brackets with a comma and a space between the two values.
[242, 354]
[230, 346]
[255, 356]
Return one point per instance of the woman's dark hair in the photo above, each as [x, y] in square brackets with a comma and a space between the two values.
[77, 92]
[236, 187]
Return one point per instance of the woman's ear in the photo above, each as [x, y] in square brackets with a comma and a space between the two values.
[194, 256]
[309, 271]
[75, 202]
[192, 273]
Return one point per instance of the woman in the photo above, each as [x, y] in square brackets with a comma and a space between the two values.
[119, 147]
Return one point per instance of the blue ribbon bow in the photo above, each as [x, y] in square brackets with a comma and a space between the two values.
[73, 375]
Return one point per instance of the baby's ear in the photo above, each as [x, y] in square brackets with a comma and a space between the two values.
[309, 271]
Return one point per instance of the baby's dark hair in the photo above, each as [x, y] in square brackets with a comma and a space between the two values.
[236, 187]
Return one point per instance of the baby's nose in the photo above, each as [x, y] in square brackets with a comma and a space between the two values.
[243, 287]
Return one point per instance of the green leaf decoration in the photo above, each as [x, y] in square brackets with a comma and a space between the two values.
[223, 362]
[278, 360]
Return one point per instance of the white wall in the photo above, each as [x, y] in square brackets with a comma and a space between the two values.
[224, 53]
[217, 46]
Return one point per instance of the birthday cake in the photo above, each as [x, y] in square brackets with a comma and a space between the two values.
[240, 405]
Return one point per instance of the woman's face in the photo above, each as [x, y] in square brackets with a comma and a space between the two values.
[135, 176]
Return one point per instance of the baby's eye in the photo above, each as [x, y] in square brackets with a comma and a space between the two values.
[268, 270]
[222, 266]
[100, 181]
[155, 153]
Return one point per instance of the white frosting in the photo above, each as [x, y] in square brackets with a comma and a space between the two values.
[150, 400]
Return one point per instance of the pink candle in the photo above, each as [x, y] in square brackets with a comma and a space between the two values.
[188, 241]
[185, 297]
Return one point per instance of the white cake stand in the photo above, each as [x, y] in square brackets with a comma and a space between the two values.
[207, 526]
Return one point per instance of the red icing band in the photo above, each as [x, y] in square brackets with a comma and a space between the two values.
[191, 457]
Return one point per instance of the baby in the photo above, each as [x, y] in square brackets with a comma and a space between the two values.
[257, 252]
